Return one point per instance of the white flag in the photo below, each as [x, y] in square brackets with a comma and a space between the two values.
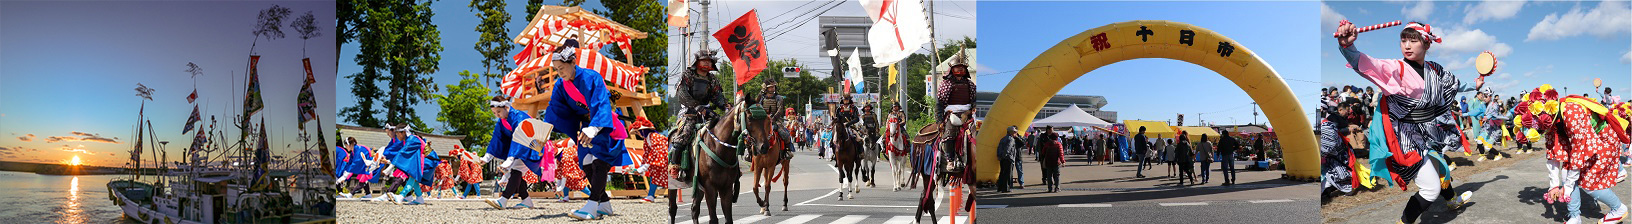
[679, 10]
[855, 69]
[899, 28]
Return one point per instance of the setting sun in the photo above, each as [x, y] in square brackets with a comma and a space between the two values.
[75, 161]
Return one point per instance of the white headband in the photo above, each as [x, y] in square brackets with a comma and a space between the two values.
[505, 103]
[566, 54]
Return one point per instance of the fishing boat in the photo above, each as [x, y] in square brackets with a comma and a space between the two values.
[218, 182]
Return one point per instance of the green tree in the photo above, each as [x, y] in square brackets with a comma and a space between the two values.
[494, 43]
[532, 8]
[464, 111]
[651, 52]
[399, 45]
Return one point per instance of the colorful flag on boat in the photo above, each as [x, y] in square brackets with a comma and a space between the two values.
[306, 102]
[252, 94]
[191, 97]
[192, 119]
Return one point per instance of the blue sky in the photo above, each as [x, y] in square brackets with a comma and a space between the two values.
[457, 23]
[73, 66]
[1011, 35]
[1565, 44]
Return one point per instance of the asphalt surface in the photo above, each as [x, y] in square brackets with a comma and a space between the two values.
[1112, 194]
[813, 198]
[1510, 194]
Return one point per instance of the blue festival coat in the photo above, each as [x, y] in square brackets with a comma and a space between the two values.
[569, 116]
[502, 145]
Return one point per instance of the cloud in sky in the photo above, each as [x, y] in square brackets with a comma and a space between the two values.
[82, 137]
[1329, 19]
[26, 138]
[1492, 10]
[1419, 11]
[1471, 41]
[1609, 19]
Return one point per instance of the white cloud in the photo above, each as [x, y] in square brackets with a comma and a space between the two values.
[1627, 58]
[1611, 18]
[1329, 19]
[1492, 10]
[1470, 41]
[1418, 11]
[1457, 64]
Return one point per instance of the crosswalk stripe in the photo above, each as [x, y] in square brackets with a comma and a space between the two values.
[699, 220]
[900, 219]
[1270, 201]
[752, 219]
[850, 219]
[1184, 204]
[799, 219]
[948, 220]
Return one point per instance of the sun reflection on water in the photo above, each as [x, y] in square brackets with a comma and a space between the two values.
[71, 212]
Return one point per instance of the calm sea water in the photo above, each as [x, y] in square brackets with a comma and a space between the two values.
[34, 198]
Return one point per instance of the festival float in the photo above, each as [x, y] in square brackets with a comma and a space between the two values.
[530, 82]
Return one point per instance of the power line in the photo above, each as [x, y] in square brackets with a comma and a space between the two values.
[807, 21]
[801, 15]
[791, 10]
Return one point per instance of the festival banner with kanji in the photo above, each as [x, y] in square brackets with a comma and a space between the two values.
[744, 43]
[1154, 38]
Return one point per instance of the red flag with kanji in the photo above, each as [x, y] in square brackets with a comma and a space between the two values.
[745, 45]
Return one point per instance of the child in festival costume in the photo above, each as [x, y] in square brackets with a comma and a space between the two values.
[1416, 111]
[394, 178]
[521, 162]
[417, 162]
[1583, 139]
[571, 177]
[444, 177]
[358, 158]
[655, 166]
[470, 172]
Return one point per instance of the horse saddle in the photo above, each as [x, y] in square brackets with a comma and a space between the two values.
[927, 134]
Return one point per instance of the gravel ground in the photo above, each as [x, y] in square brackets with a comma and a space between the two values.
[474, 211]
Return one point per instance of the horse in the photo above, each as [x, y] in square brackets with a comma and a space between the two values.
[945, 155]
[847, 155]
[716, 177]
[900, 156]
[872, 148]
[770, 165]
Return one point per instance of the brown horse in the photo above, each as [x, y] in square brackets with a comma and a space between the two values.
[770, 165]
[718, 169]
[847, 155]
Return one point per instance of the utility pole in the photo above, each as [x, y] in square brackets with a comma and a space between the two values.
[1254, 112]
[934, 50]
[705, 29]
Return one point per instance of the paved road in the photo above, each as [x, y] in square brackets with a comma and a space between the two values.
[1510, 194]
[813, 199]
[1111, 194]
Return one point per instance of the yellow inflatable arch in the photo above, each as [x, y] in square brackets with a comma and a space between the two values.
[1073, 57]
